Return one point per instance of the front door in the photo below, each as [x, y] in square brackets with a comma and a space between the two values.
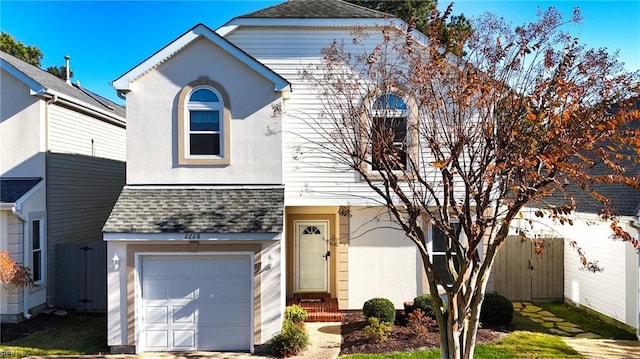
[311, 249]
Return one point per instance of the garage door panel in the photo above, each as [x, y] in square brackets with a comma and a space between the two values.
[157, 339]
[156, 315]
[185, 339]
[155, 289]
[183, 289]
[196, 302]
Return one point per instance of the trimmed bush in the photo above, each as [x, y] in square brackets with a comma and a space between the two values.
[425, 304]
[294, 337]
[377, 331]
[420, 324]
[295, 313]
[381, 308]
[496, 311]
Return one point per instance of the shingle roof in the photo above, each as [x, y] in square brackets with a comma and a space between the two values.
[317, 9]
[51, 82]
[11, 189]
[204, 210]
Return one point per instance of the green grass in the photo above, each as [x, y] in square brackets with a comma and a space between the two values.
[519, 344]
[73, 335]
[587, 321]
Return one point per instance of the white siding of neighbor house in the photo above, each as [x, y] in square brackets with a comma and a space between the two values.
[11, 230]
[612, 291]
[382, 261]
[76, 133]
[309, 178]
[152, 136]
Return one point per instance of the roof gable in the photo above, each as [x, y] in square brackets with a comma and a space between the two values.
[40, 82]
[199, 31]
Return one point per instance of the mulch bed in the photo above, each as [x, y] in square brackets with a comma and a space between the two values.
[402, 339]
[13, 331]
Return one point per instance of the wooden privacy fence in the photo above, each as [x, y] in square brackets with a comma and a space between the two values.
[81, 276]
[521, 274]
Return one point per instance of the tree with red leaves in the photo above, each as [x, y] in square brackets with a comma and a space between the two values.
[473, 139]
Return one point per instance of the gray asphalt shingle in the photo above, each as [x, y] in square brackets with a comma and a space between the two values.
[11, 189]
[51, 82]
[317, 9]
[203, 210]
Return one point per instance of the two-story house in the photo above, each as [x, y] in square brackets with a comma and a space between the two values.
[61, 169]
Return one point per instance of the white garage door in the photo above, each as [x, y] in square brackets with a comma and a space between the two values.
[196, 303]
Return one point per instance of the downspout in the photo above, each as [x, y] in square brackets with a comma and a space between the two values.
[25, 256]
[635, 224]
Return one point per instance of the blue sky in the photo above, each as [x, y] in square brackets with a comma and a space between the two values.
[107, 38]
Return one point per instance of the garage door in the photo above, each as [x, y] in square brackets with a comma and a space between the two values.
[196, 303]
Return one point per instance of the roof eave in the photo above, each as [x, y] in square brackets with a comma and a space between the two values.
[33, 85]
[123, 83]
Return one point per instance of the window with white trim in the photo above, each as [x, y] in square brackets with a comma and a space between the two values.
[205, 125]
[439, 253]
[37, 249]
[389, 131]
[204, 121]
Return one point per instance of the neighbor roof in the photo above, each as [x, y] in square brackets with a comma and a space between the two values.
[203, 210]
[41, 81]
[316, 9]
[13, 188]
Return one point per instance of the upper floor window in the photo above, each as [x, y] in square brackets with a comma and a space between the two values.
[203, 124]
[389, 132]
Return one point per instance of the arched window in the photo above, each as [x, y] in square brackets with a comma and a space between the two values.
[203, 124]
[389, 131]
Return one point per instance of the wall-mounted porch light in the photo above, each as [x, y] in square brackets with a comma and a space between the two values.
[116, 262]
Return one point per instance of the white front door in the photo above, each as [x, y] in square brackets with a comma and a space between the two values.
[196, 303]
[311, 256]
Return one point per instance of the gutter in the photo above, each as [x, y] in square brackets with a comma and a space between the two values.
[87, 109]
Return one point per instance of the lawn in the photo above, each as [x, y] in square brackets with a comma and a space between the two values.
[69, 335]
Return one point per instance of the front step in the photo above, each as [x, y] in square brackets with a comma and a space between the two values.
[320, 307]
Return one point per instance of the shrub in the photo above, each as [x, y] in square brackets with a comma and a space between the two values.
[377, 331]
[425, 304]
[380, 308]
[420, 323]
[496, 310]
[294, 337]
[295, 313]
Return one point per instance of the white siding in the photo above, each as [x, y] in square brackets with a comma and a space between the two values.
[310, 177]
[609, 291]
[76, 133]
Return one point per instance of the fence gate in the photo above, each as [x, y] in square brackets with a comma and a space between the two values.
[81, 276]
[520, 274]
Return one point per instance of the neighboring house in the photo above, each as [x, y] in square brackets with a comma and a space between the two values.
[61, 169]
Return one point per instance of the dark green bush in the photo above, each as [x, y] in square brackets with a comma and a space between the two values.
[381, 308]
[294, 337]
[496, 311]
[425, 304]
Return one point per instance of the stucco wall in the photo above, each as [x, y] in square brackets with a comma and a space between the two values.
[152, 121]
[382, 261]
[21, 130]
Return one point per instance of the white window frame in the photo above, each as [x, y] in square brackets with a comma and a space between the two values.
[41, 249]
[431, 246]
[204, 106]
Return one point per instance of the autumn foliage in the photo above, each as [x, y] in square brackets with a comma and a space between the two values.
[523, 117]
[12, 273]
